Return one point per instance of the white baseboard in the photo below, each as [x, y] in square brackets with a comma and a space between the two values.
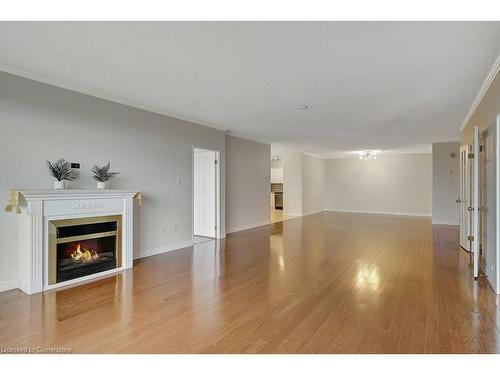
[246, 227]
[440, 222]
[162, 249]
[13, 284]
[380, 212]
[312, 212]
[292, 214]
[8, 285]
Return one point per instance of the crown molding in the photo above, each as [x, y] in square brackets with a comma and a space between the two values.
[482, 91]
[314, 155]
[33, 76]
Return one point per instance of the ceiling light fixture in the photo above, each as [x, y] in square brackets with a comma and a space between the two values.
[368, 155]
[304, 107]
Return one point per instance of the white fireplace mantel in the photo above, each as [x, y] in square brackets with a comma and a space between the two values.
[36, 207]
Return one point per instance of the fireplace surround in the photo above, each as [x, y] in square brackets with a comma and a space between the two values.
[70, 236]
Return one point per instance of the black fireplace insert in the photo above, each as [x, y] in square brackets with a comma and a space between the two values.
[81, 247]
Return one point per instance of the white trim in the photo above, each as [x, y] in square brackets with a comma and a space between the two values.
[286, 219]
[39, 206]
[162, 249]
[8, 285]
[424, 150]
[379, 212]
[26, 74]
[51, 194]
[101, 95]
[475, 203]
[314, 155]
[446, 223]
[464, 217]
[497, 171]
[83, 279]
[312, 212]
[482, 91]
[249, 226]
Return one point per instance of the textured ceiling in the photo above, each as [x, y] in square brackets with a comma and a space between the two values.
[368, 85]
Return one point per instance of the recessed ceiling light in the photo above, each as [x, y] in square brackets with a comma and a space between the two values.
[304, 107]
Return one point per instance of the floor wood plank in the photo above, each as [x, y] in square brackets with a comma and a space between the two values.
[324, 283]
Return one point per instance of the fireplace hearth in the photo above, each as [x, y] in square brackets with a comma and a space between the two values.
[83, 246]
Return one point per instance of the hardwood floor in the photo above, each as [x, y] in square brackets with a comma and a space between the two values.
[325, 283]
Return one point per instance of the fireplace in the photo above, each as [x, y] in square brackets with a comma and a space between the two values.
[82, 247]
[41, 212]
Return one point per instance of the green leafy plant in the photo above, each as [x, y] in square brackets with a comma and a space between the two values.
[102, 174]
[62, 170]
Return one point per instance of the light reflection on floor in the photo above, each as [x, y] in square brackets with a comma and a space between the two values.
[206, 269]
[367, 276]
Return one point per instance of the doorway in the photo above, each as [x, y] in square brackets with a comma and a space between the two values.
[487, 210]
[484, 203]
[206, 194]
[276, 189]
[464, 198]
[283, 187]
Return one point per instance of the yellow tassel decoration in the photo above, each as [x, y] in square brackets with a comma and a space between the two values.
[13, 201]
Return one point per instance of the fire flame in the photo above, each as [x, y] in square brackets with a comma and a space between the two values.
[85, 255]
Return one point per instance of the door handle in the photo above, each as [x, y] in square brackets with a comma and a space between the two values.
[470, 208]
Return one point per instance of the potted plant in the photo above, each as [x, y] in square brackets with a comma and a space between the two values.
[62, 172]
[102, 174]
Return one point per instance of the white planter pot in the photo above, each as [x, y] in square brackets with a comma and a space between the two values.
[59, 185]
[101, 185]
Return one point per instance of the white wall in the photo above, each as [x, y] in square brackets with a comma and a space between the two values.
[151, 152]
[313, 184]
[445, 182]
[397, 184]
[248, 171]
[303, 182]
[292, 183]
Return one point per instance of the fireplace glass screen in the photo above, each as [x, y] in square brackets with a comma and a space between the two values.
[81, 247]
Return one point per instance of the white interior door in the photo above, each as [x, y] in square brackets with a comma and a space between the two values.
[464, 198]
[496, 228]
[475, 203]
[204, 192]
[488, 210]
